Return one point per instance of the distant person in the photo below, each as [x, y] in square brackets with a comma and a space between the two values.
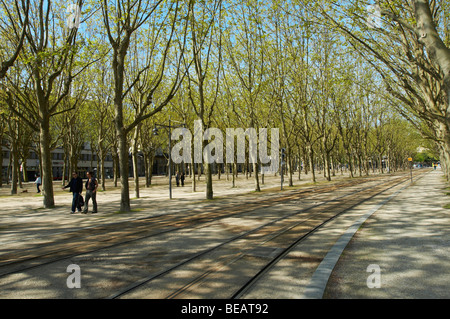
[182, 177]
[76, 187]
[38, 183]
[435, 166]
[177, 178]
[91, 192]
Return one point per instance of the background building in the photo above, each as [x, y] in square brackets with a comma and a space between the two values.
[87, 161]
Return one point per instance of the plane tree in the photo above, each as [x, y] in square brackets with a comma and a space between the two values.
[407, 42]
[49, 59]
[122, 20]
[203, 78]
[13, 24]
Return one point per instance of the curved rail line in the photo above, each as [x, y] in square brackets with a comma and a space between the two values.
[282, 231]
[126, 232]
[251, 282]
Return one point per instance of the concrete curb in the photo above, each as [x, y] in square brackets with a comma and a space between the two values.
[319, 280]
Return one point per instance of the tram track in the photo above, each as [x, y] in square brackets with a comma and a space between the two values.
[270, 231]
[281, 233]
[96, 238]
[245, 288]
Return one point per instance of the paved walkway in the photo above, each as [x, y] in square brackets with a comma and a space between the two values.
[403, 249]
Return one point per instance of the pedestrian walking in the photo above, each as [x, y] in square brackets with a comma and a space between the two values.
[182, 179]
[38, 183]
[76, 188]
[91, 192]
[177, 178]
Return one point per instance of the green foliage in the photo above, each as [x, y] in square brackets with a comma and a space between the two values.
[426, 157]
[252, 63]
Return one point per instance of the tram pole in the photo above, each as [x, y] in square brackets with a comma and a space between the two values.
[169, 127]
[283, 155]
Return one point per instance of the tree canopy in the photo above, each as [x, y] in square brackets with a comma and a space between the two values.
[357, 84]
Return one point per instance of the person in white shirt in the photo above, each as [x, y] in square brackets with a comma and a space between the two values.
[38, 183]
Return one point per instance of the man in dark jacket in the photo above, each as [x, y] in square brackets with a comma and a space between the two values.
[76, 187]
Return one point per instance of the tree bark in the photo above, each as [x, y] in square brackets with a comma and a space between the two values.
[135, 160]
[15, 158]
[311, 163]
[46, 162]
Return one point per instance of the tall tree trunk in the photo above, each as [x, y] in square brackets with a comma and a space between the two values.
[102, 167]
[234, 174]
[116, 169]
[63, 179]
[255, 168]
[15, 162]
[311, 163]
[192, 167]
[146, 168]
[123, 169]
[1, 160]
[209, 181]
[118, 66]
[46, 159]
[299, 166]
[327, 166]
[436, 48]
[381, 163]
[289, 166]
[25, 169]
[135, 160]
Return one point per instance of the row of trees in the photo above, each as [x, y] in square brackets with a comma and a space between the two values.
[313, 69]
[408, 44]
